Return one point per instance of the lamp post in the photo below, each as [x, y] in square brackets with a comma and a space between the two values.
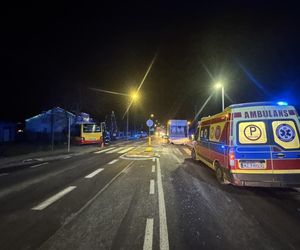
[133, 98]
[219, 85]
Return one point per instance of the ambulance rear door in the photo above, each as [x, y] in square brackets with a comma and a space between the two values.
[285, 152]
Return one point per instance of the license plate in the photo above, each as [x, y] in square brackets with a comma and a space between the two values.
[252, 164]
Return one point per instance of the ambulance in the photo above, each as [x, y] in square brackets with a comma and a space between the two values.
[251, 144]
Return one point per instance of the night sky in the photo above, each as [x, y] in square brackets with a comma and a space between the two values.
[50, 57]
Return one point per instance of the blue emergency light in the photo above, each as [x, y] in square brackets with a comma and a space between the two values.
[282, 103]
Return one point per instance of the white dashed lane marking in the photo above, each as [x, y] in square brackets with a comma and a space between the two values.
[113, 161]
[3, 174]
[54, 198]
[148, 240]
[91, 175]
[153, 169]
[152, 187]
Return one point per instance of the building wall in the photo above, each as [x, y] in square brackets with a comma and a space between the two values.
[7, 131]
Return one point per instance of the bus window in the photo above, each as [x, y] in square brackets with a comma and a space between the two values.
[91, 128]
[252, 132]
[286, 134]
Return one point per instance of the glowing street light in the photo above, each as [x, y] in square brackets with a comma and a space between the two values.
[219, 85]
[152, 115]
[133, 97]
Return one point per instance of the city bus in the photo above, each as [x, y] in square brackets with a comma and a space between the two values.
[251, 144]
[177, 131]
[87, 133]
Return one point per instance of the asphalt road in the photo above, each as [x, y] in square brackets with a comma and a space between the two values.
[103, 201]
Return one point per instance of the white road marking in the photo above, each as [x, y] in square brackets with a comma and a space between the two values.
[163, 227]
[113, 161]
[74, 215]
[126, 150]
[187, 150]
[54, 198]
[3, 174]
[152, 187]
[104, 150]
[153, 169]
[148, 240]
[38, 165]
[177, 151]
[115, 150]
[91, 175]
[176, 158]
[67, 157]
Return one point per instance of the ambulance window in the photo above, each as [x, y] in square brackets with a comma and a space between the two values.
[252, 132]
[204, 134]
[201, 133]
[197, 136]
[286, 134]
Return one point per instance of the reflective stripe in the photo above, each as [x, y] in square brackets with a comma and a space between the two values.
[276, 171]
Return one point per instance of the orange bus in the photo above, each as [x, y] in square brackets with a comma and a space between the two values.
[87, 133]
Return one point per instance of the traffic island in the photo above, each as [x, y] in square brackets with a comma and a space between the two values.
[141, 153]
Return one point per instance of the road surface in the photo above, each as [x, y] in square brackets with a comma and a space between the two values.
[101, 200]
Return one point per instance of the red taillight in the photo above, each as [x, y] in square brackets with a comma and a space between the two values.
[231, 157]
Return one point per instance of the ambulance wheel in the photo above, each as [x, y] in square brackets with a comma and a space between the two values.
[193, 154]
[220, 174]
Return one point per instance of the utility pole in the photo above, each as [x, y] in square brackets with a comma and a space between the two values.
[52, 130]
[127, 126]
[69, 133]
[223, 104]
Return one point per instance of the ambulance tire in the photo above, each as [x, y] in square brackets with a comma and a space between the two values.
[219, 174]
[193, 154]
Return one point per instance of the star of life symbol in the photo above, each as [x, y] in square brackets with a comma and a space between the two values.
[285, 133]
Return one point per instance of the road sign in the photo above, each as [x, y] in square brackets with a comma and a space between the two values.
[149, 123]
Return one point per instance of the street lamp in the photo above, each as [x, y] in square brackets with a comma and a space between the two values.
[152, 115]
[219, 85]
[132, 98]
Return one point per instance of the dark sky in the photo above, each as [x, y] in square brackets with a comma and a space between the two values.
[50, 57]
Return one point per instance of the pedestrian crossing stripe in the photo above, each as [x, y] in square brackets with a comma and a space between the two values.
[104, 150]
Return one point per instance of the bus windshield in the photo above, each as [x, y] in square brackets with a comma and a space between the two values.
[91, 128]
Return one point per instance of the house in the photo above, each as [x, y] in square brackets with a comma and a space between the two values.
[54, 121]
[7, 131]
